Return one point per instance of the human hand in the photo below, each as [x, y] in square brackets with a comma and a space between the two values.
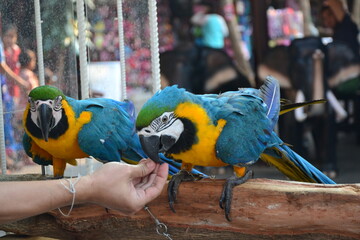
[127, 188]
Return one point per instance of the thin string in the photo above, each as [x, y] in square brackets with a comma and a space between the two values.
[71, 189]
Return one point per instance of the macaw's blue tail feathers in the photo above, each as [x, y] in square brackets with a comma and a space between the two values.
[293, 165]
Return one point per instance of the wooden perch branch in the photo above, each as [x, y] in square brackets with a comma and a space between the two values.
[261, 209]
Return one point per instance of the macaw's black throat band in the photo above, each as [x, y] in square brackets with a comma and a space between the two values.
[187, 138]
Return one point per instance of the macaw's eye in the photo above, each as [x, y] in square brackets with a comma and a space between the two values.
[32, 105]
[57, 103]
[164, 119]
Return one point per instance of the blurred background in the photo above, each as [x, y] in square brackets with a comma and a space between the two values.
[311, 47]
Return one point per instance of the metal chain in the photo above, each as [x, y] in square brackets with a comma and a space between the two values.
[161, 228]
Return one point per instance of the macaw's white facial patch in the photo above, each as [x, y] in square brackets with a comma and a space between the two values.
[166, 124]
[55, 105]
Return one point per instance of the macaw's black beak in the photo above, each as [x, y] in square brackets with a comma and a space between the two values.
[152, 145]
[166, 143]
[45, 119]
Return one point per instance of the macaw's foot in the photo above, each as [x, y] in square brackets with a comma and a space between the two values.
[226, 195]
[174, 183]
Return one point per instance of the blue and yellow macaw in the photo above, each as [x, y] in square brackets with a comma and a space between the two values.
[59, 129]
[234, 128]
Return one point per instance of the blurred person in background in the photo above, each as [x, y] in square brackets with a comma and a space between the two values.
[27, 61]
[345, 32]
[6, 75]
[12, 52]
[335, 16]
[213, 28]
[210, 31]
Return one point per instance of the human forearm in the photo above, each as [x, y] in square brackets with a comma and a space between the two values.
[5, 69]
[24, 199]
[123, 187]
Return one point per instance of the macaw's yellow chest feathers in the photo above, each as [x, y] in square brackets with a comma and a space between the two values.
[200, 128]
[63, 138]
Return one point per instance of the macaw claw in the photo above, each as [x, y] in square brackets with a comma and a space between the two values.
[226, 195]
[174, 183]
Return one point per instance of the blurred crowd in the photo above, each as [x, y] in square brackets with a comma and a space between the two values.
[17, 76]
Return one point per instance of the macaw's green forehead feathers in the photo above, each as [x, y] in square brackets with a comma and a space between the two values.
[165, 100]
[46, 92]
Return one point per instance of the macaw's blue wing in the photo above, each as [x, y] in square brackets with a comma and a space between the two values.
[110, 133]
[245, 117]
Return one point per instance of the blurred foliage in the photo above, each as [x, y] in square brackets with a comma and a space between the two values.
[56, 23]
[59, 25]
